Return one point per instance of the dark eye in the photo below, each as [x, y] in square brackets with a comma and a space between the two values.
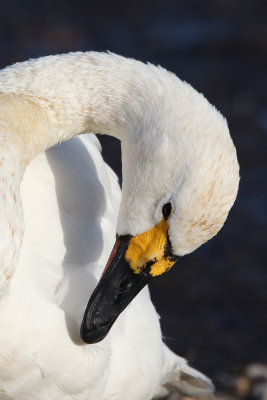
[167, 210]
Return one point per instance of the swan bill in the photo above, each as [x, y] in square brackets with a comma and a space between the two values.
[133, 262]
[116, 289]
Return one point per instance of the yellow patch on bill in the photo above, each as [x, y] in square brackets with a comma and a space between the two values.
[149, 246]
[161, 266]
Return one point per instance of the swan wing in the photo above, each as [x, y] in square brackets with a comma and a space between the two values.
[180, 378]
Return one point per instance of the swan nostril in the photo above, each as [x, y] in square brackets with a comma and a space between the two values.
[124, 288]
[118, 294]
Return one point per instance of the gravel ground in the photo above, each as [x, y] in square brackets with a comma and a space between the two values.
[213, 304]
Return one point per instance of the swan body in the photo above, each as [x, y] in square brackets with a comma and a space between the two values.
[69, 193]
[59, 213]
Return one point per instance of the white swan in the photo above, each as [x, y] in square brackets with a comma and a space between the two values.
[180, 178]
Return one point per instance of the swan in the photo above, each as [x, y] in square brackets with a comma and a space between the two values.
[61, 210]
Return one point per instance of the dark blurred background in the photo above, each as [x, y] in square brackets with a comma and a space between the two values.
[213, 304]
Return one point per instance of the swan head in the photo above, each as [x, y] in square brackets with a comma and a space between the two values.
[180, 179]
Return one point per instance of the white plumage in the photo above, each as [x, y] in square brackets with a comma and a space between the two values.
[70, 200]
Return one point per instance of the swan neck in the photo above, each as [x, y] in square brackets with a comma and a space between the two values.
[49, 100]
[12, 225]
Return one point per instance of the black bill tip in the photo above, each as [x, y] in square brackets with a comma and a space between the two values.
[116, 289]
[95, 332]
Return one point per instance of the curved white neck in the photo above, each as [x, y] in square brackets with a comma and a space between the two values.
[46, 101]
[52, 99]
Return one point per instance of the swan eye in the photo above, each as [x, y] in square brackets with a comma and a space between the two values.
[167, 210]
